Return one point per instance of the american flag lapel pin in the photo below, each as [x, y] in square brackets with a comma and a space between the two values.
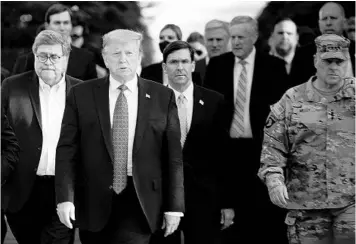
[148, 96]
[201, 102]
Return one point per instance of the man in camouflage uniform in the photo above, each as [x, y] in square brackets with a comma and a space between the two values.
[308, 155]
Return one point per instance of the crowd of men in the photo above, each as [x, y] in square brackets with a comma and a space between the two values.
[219, 143]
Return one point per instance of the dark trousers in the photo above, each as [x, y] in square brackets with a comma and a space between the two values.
[127, 223]
[3, 227]
[257, 220]
[38, 222]
[201, 221]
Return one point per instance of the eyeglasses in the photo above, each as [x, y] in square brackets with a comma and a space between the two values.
[52, 57]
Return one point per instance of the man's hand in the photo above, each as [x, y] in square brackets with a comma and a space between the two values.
[65, 211]
[170, 223]
[227, 217]
[278, 196]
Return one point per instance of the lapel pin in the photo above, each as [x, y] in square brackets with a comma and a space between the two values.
[148, 96]
[201, 102]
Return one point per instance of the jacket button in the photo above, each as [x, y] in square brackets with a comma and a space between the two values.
[39, 148]
[35, 169]
[110, 187]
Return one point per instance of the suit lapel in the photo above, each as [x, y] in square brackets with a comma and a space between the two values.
[69, 84]
[35, 97]
[101, 96]
[143, 108]
[230, 78]
[198, 110]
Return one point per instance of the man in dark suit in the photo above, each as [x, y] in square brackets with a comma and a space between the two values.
[9, 158]
[204, 138]
[250, 82]
[81, 63]
[34, 103]
[119, 158]
[331, 21]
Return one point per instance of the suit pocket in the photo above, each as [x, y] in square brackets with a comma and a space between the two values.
[156, 184]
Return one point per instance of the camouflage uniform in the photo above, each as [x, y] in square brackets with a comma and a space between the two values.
[309, 146]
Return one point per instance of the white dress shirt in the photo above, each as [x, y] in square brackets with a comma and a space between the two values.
[52, 102]
[131, 95]
[250, 63]
[188, 94]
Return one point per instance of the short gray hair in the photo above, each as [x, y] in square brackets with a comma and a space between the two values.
[217, 24]
[49, 37]
[245, 19]
[122, 35]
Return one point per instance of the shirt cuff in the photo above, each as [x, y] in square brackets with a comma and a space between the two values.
[177, 214]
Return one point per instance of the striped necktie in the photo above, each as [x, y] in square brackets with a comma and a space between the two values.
[237, 126]
[182, 113]
[120, 135]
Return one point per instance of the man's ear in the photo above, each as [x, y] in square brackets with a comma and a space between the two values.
[46, 25]
[164, 67]
[315, 60]
[193, 66]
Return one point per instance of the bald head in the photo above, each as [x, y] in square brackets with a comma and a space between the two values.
[332, 19]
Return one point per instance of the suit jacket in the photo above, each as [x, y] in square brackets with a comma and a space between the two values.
[21, 101]
[9, 149]
[267, 87]
[204, 153]
[84, 158]
[303, 63]
[200, 68]
[81, 64]
[154, 72]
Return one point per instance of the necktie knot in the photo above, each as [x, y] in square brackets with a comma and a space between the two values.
[123, 88]
[181, 99]
[243, 62]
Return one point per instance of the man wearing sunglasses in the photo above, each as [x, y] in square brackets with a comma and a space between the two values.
[34, 102]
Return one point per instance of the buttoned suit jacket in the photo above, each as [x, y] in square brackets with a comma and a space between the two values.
[21, 102]
[85, 156]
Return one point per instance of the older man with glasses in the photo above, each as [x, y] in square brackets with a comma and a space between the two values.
[34, 102]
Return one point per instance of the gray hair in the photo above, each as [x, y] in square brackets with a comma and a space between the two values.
[245, 19]
[122, 35]
[217, 24]
[49, 37]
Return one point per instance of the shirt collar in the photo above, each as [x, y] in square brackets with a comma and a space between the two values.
[347, 91]
[188, 93]
[250, 59]
[288, 59]
[61, 83]
[131, 84]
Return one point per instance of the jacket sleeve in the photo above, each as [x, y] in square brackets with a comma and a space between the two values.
[174, 190]
[275, 148]
[67, 152]
[10, 149]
